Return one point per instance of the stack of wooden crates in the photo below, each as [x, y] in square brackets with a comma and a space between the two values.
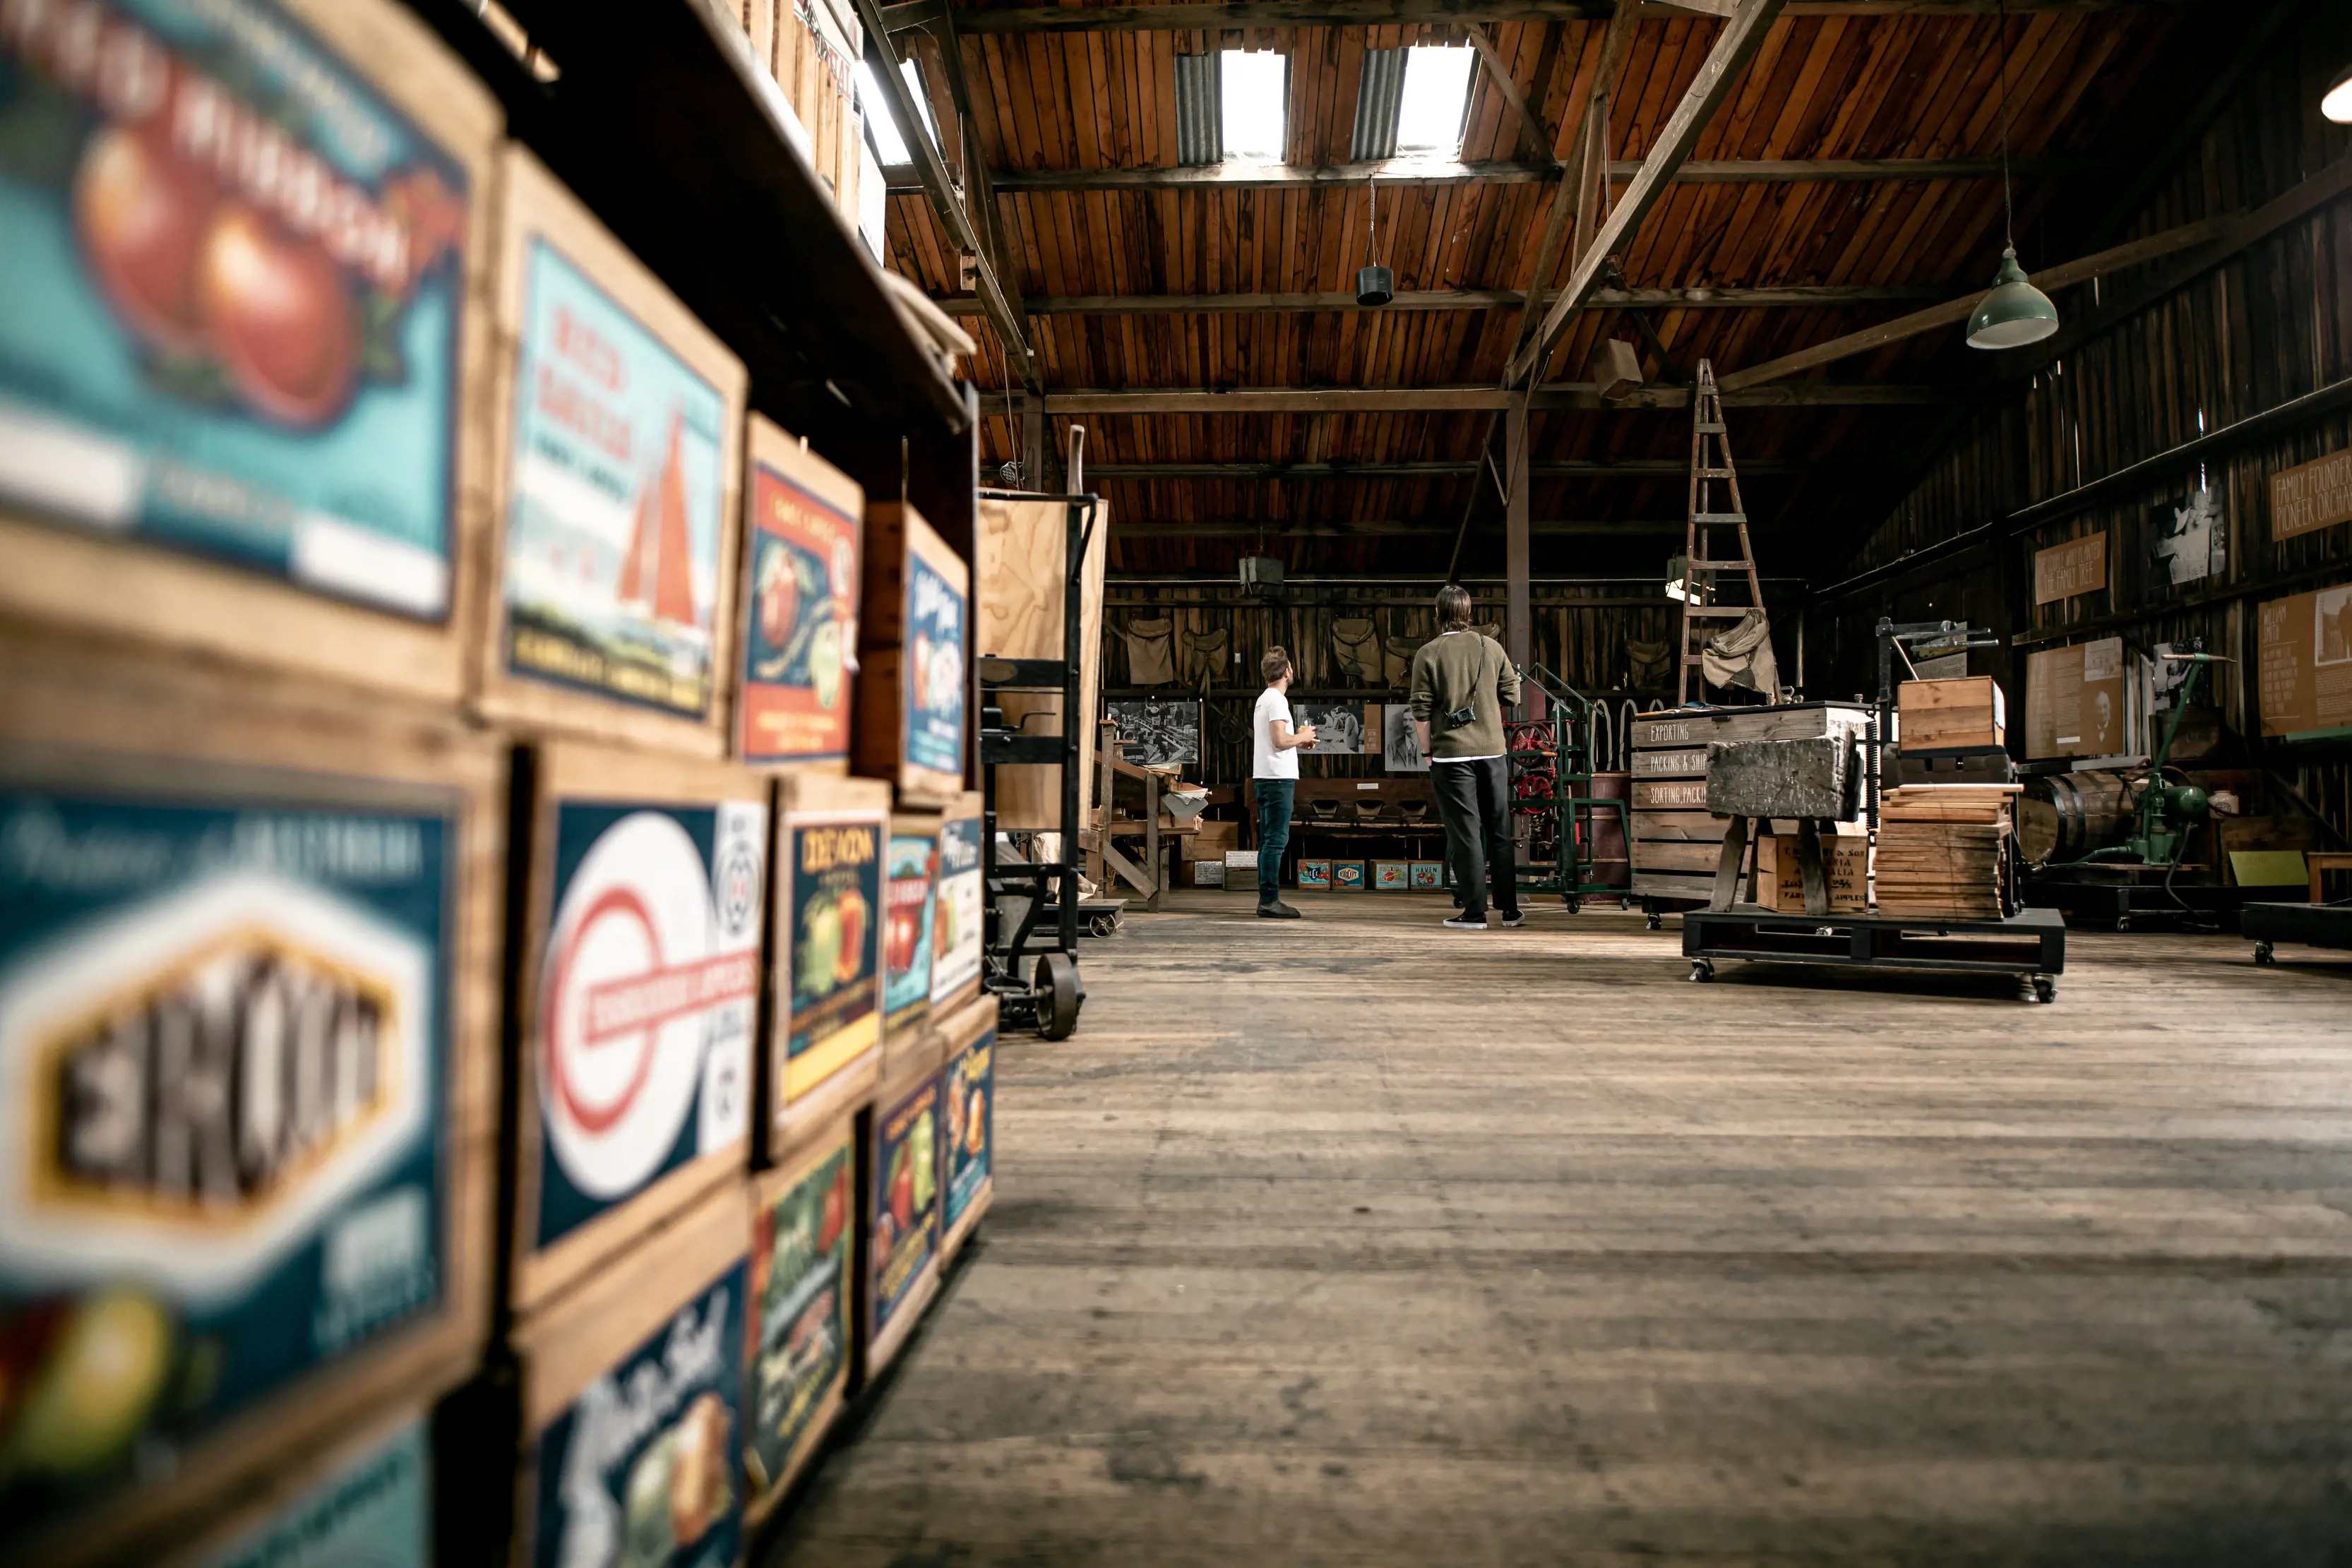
[1678, 843]
[489, 978]
[1945, 829]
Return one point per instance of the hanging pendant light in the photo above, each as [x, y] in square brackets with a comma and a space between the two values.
[2015, 312]
[1375, 283]
[2338, 105]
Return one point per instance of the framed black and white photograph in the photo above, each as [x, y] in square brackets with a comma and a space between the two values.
[1400, 746]
[1339, 726]
[2188, 543]
[1160, 733]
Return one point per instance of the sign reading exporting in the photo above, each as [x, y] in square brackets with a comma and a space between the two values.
[2307, 662]
[2063, 570]
[2307, 498]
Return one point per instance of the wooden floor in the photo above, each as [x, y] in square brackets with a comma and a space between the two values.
[1355, 1241]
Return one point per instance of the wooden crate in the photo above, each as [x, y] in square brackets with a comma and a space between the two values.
[642, 1357]
[642, 916]
[1681, 827]
[1678, 795]
[189, 838]
[1789, 721]
[911, 890]
[604, 379]
[824, 1032]
[1937, 715]
[758, 19]
[1780, 883]
[958, 912]
[125, 495]
[912, 640]
[900, 1233]
[803, 540]
[1681, 857]
[967, 1133]
[796, 1352]
[1018, 595]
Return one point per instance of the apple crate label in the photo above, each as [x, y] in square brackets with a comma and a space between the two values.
[615, 513]
[906, 923]
[224, 1039]
[934, 671]
[229, 297]
[800, 1312]
[906, 1213]
[955, 913]
[800, 637]
[970, 1084]
[377, 1511]
[647, 989]
[837, 897]
[639, 1471]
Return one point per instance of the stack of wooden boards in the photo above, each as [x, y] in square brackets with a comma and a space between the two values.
[447, 953]
[1676, 841]
[1943, 849]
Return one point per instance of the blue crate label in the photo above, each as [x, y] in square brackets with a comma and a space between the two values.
[955, 910]
[933, 671]
[639, 1471]
[647, 991]
[836, 946]
[229, 298]
[373, 1513]
[615, 513]
[906, 898]
[224, 1057]
[905, 1215]
[970, 1087]
[800, 1312]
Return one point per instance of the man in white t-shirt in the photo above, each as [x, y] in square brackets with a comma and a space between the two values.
[1274, 774]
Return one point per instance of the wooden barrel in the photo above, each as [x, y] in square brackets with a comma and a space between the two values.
[2066, 816]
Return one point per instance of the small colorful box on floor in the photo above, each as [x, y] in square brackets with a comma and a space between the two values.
[1208, 873]
[1348, 876]
[1428, 876]
[1392, 876]
[1315, 873]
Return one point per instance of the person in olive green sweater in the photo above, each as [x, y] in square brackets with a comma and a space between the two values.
[1462, 681]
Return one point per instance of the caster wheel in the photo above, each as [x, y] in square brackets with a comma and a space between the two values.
[1654, 922]
[2265, 955]
[1575, 905]
[1702, 971]
[2046, 989]
[1059, 996]
[1103, 925]
[2123, 922]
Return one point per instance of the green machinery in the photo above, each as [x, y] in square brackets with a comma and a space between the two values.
[1558, 750]
[2164, 812]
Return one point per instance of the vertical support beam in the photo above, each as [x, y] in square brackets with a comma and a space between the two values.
[1033, 447]
[1517, 630]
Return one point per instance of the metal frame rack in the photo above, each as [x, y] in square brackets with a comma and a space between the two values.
[1571, 806]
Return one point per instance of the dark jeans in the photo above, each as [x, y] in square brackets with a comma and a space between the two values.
[1474, 800]
[1273, 833]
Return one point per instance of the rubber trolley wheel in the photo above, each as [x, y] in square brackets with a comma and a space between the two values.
[1057, 996]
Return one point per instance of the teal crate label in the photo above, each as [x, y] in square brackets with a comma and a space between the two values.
[800, 1312]
[903, 1206]
[615, 510]
[230, 293]
[906, 900]
[640, 1470]
[956, 909]
[374, 1512]
[933, 671]
[647, 991]
[970, 1087]
[224, 1060]
[836, 947]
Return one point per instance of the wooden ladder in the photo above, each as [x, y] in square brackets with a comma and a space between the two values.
[1700, 569]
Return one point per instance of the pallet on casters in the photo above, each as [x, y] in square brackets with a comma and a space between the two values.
[2031, 943]
[2309, 924]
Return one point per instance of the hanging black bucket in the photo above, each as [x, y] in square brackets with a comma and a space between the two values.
[1375, 286]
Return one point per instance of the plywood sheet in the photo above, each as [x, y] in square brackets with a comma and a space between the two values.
[1019, 595]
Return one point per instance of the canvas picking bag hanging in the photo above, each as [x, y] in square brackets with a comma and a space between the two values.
[1649, 663]
[1396, 656]
[1151, 651]
[1204, 655]
[1356, 648]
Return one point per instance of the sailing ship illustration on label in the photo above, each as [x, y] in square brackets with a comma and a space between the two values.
[615, 516]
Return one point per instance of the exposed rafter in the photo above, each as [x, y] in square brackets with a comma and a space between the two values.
[1543, 468]
[1801, 297]
[1441, 12]
[1485, 399]
[902, 179]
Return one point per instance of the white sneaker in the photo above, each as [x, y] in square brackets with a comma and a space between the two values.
[1457, 924]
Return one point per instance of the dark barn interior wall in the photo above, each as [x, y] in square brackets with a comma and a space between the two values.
[2237, 343]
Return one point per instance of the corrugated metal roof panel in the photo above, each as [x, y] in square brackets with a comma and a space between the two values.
[1377, 99]
[1200, 98]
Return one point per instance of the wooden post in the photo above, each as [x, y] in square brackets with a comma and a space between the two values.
[1033, 442]
[1517, 631]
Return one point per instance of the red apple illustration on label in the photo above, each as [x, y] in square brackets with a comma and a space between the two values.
[836, 1211]
[143, 210]
[906, 929]
[277, 312]
[852, 912]
[902, 1192]
[780, 595]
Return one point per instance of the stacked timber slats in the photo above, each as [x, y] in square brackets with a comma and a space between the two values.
[1677, 841]
[1942, 848]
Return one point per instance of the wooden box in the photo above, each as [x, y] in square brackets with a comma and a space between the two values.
[958, 911]
[1348, 876]
[803, 540]
[899, 1249]
[912, 640]
[910, 886]
[1209, 873]
[968, 1112]
[297, 483]
[637, 989]
[1392, 876]
[1020, 558]
[315, 872]
[610, 566]
[1428, 876]
[367, 1497]
[796, 1353]
[1780, 884]
[824, 1035]
[1940, 715]
[1315, 873]
[632, 1388]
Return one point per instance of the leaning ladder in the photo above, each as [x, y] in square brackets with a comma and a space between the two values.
[1701, 602]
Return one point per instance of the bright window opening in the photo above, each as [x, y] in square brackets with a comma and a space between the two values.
[888, 143]
[1436, 101]
[1256, 97]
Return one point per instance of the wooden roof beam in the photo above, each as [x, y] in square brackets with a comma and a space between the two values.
[903, 180]
[1489, 399]
[1498, 71]
[1142, 528]
[1795, 297]
[1187, 17]
[1543, 468]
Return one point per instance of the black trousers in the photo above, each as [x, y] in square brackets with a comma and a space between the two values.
[1474, 799]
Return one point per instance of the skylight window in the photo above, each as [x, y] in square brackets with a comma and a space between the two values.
[888, 145]
[1256, 107]
[1436, 103]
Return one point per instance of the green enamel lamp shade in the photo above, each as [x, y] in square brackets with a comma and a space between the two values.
[2014, 313]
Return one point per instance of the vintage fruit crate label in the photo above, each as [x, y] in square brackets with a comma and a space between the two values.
[1314, 873]
[377, 1511]
[905, 1203]
[799, 1343]
[907, 897]
[1392, 876]
[956, 909]
[801, 624]
[649, 988]
[1348, 876]
[229, 298]
[969, 1083]
[223, 1073]
[836, 946]
[615, 511]
[933, 671]
[1428, 875]
[640, 1470]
